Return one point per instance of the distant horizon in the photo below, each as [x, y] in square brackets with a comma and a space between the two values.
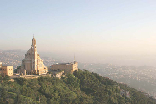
[115, 60]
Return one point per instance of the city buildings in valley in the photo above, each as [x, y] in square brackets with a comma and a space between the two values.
[32, 64]
[6, 70]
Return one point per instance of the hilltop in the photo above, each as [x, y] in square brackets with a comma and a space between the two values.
[82, 87]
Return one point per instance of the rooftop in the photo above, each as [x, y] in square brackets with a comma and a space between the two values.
[63, 63]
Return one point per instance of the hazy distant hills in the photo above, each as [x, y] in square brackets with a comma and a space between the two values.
[12, 57]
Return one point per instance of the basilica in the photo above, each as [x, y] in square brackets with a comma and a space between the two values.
[32, 63]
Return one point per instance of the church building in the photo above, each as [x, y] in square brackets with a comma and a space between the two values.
[32, 64]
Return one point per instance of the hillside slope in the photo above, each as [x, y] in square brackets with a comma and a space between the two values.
[83, 87]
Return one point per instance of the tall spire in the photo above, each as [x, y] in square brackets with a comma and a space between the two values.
[74, 59]
[33, 41]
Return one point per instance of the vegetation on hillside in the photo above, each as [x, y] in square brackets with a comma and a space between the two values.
[82, 87]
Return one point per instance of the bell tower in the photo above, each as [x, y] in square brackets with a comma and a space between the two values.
[34, 54]
[33, 41]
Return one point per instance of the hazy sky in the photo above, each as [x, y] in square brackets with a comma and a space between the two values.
[95, 30]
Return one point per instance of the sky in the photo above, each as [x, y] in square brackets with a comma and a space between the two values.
[104, 31]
